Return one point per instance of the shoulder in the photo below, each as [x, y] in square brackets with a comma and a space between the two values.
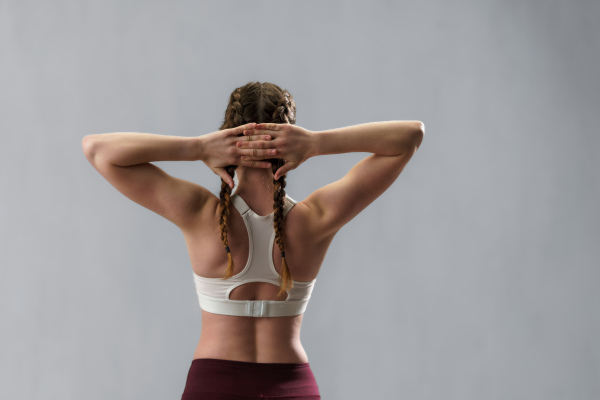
[306, 222]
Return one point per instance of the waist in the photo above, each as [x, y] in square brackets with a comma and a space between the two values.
[280, 354]
[251, 339]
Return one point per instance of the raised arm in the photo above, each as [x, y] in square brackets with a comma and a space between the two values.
[393, 144]
[125, 159]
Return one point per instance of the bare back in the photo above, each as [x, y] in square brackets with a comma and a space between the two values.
[252, 339]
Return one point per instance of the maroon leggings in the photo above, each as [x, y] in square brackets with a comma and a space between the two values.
[215, 379]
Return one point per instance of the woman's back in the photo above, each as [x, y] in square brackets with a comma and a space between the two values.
[254, 339]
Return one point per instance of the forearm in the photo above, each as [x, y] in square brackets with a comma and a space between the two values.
[384, 138]
[130, 148]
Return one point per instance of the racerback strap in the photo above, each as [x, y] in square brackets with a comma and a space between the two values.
[243, 208]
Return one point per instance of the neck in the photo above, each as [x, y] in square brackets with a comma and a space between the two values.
[255, 186]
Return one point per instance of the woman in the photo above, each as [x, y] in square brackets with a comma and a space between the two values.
[252, 293]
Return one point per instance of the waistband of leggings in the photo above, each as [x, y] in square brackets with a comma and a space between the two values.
[199, 361]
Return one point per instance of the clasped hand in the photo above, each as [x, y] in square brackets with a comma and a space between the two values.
[292, 143]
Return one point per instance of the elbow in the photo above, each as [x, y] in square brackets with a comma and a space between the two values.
[421, 128]
[88, 145]
[419, 133]
[410, 137]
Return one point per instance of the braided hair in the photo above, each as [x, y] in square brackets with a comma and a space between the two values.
[260, 103]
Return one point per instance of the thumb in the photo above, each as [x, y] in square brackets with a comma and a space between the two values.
[281, 171]
[225, 176]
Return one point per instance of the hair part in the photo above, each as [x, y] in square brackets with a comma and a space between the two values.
[260, 103]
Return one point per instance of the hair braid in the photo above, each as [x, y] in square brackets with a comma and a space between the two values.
[232, 117]
[224, 203]
[281, 113]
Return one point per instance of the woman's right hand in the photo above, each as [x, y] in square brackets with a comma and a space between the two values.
[294, 144]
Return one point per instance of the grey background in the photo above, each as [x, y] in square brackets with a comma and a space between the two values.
[475, 276]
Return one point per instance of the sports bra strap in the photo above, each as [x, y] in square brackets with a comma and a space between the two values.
[288, 204]
[243, 208]
[240, 204]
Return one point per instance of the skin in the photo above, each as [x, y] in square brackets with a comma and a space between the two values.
[124, 159]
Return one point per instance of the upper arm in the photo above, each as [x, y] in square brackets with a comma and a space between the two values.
[336, 204]
[175, 199]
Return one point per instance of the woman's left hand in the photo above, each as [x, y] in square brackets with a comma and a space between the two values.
[219, 150]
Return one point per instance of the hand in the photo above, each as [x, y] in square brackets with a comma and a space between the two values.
[219, 150]
[293, 143]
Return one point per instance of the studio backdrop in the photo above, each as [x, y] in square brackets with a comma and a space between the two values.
[474, 276]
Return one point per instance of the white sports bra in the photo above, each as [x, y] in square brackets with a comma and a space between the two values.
[213, 293]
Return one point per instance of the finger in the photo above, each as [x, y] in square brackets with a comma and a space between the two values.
[268, 153]
[258, 132]
[227, 178]
[255, 163]
[254, 135]
[269, 126]
[255, 144]
[240, 129]
[282, 171]
[241, 147]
